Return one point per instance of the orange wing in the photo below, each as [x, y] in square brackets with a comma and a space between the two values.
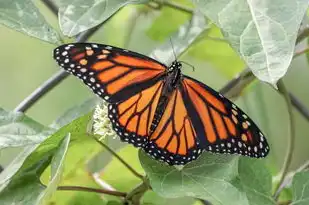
[112, 73]
[221, 126]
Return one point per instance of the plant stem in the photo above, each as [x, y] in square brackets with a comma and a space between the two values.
[291, 136]
[137, 193]
[88, 189]
[134, 172]
[174, 6]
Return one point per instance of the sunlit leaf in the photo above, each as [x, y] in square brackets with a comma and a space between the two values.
[76, 16]
[300, 188]
[23, 16]
[209, 177]
[26, 188]
[263, 32]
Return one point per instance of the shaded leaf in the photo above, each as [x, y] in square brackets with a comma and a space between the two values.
[23, 16]
[263, 33]
[16, 130]
[300, 188]
[181, 40]
[26, 188]
[208, 178]
[255, 181]
[76, 16]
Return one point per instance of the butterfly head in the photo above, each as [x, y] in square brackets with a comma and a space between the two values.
[176, 65]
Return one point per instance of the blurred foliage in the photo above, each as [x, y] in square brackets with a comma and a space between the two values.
[27, 62]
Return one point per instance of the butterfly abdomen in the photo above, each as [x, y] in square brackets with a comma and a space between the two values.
[159, 112]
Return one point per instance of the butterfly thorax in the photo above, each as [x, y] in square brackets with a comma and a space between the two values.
[171, 82]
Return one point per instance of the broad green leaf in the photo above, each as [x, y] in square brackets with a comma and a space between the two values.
[300, 188]
[76, 16]
[256, 181]
[76, 112]
[209, 177]
[181, 40]
[26, 188]
[263, 32]
[16, 130]
[23, 16]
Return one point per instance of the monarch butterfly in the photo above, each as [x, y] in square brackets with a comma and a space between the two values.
[171, 116]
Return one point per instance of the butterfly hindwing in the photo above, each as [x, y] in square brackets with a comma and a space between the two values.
[112, 73]
[222, 126]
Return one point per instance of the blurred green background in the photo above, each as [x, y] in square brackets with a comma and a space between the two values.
[27, 62]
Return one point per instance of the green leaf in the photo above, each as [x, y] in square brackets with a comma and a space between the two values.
[181, 40]
[16, 130]
[34, 153]
[209, 177]
[26, 188]
[75, 112]
[300, 188]
[23, 16]
[256, 181]
[76, 16]
[264, 34]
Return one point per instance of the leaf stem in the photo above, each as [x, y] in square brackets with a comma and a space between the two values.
[133, 171]
[89, 189]
[291, 137]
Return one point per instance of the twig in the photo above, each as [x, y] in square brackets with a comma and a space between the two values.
[40, 91]
[88, 189]
[302, 35]
[174, 6]
[51, 5]
[121, 160]
[298, 53]
[291, 136]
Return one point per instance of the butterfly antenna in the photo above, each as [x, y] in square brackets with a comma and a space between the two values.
[173, 49]
[188, 65]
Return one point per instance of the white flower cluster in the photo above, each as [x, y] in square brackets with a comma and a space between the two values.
[101, 124]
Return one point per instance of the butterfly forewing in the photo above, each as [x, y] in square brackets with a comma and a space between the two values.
[222, 126]
[112, 73]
